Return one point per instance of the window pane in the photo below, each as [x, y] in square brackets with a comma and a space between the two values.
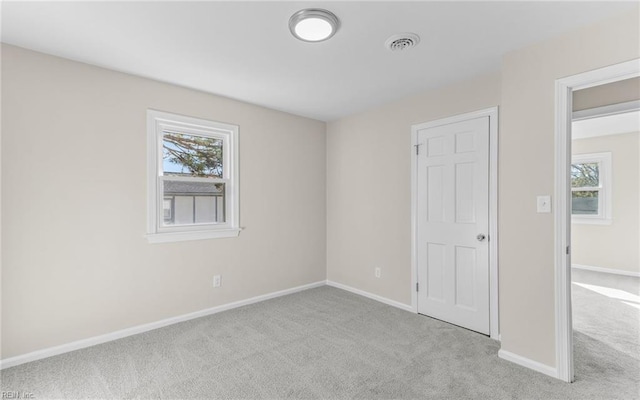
[584, 202]
[167, 209]
[193, 203]
[191, 155]
[585, 175]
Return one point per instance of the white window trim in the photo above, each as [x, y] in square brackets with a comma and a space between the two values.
[157, 121]
[604, 216]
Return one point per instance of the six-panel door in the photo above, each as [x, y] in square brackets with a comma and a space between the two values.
[452, 218]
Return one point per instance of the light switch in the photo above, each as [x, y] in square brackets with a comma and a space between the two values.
[544, 204]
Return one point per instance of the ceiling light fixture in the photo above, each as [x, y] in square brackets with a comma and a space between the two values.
[313, 24]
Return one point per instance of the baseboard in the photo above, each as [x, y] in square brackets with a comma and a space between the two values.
[81, 344]
[606, 270]
[528, 363]
[402, 306]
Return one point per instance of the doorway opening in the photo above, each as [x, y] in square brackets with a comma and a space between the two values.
[605, 258]
[586, 181]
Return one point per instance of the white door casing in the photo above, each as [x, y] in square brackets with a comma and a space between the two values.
[452, 210]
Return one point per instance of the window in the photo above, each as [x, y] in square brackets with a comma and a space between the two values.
[591, 188]
[193, 178]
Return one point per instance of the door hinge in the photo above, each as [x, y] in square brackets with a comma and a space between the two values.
[417, 287]
[568, 250]
[417, 146]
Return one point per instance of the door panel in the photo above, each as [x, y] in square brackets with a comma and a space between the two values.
[453, 209]
[435, 271]
[465, 204]
[435, 201]
[465, 276]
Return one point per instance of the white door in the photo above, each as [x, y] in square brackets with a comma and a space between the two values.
[453, 223]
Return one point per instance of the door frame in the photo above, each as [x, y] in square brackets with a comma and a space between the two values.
[492, 113]
[564, 115]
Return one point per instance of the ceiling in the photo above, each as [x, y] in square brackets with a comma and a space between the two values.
[628, 122]
[244, 50]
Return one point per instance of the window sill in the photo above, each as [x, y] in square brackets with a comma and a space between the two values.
[193, 235]
[591, 221]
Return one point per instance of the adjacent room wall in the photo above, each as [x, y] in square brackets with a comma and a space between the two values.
[612, 246]
[75, 263]
[369, 185]
[526, 246]
[615, 246]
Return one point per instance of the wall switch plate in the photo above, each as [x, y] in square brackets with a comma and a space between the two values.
[377, 272]
[217, 281]
[544, 204]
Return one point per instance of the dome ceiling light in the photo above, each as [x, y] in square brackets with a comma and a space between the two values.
[313, 24]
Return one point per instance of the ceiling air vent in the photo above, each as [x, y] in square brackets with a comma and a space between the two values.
[402, 41]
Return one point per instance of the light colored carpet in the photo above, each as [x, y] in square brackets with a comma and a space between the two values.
[322, 343]
[606, 324]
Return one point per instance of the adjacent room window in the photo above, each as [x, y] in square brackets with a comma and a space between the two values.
[591, 188]
[193, 178]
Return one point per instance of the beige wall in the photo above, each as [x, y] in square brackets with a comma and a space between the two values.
[369, 186]
[526, 244]
[612, 246]
[603, 95]
[75, 263]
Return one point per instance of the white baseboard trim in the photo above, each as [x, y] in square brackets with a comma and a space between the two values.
[92, 341]
[606, 270]
[528, 363]
[402, 306]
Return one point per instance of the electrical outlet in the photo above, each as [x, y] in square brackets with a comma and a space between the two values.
[377, 272]
[217, 281]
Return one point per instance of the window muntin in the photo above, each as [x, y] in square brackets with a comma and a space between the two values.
[193, 182]
[591, 188]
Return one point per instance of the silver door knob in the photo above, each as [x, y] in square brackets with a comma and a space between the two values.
[481, 237]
